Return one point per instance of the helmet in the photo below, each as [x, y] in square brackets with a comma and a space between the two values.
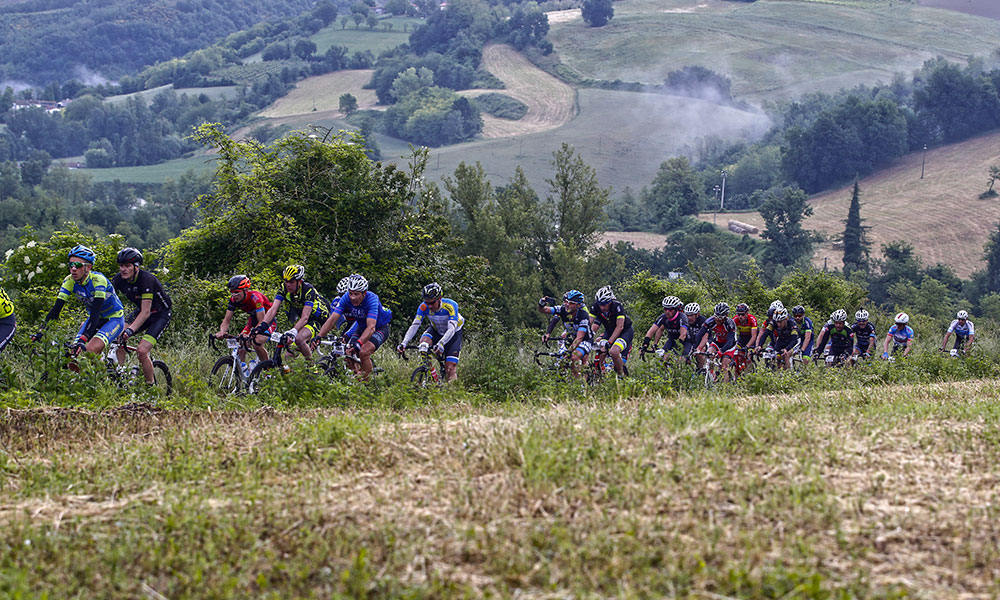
[357, 283]
[692, 309]
[604, 294]
[962, 315]
[574, 296]
[432, 291]
[293, 272]
[776, 305]
[83, 252]
[129, 256]
[722, 309]
[861, 315]
[902, 318]
[672, 302]
[342, 286]
[839, 315]
[798, 310]
[780, 314]
[742, 308]
[239, 282]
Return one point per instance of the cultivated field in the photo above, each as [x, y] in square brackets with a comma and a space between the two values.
[981, 8]
[941, 214]
[771, 48]
[639, 239]
[322, 94]
[878, 492]
[215, 93]
[376, 40]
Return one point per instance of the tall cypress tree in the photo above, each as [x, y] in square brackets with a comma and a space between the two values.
[856, 243]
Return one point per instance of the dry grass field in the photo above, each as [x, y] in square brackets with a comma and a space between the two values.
[941, 214]
[639, 239]
[883, 492]
[323, 92]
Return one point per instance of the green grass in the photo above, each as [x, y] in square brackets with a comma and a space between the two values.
[151, 173]
[215, 93]
[502, 106]
[358, 40]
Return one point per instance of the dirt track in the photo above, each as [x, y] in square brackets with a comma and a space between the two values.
[551, 103]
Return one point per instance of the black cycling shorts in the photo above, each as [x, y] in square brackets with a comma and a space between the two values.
[153, 328]
[7, 327]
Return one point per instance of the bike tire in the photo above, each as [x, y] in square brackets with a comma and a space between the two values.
[420, 377]
[258, 375]
[161, 377]
[226, 376]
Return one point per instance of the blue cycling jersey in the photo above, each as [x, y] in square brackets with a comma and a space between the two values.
[440, 318]
[94, 285]
[962, 330]
[370, 308]
[901, 335]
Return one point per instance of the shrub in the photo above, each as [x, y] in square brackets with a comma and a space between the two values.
[502, 106]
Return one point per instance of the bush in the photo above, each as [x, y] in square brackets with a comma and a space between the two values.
[502, 106]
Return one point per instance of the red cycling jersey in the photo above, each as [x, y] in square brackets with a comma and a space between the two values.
[253, 301]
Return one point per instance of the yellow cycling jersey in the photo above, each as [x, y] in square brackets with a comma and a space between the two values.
[6, 305]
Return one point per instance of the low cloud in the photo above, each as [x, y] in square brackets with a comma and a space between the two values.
[89, 77]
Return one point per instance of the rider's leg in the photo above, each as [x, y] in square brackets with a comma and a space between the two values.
[302, 341]
[142, 351]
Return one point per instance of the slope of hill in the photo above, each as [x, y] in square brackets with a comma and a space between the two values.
[941, 214]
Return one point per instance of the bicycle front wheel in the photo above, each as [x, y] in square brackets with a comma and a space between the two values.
[161, 377]
[261, 375]
[226, 377]
[420, 377]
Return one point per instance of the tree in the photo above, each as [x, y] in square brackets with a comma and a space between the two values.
[597, 13]
[856, 244]
[578, 199]
[411, 80]
[397, 7]
[991, 254]
[676, 191]
[783, 212]
[358, 18]
[348, 103]
[343, 22]
[326, 12]
[371, 21]
[994, 175]
[304, 49]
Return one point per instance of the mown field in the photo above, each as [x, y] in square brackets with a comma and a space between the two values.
[869, 484]
[941, 214]
[376, 40]
[171, 169]
[215, 93]
[771, 49]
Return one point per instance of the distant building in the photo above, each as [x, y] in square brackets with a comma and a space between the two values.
[50, 106]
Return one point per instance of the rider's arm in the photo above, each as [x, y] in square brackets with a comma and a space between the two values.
[701, 338]
[885, 346]
[653, 334]
[619, 326]
[450, 333]
[54, 312]
[224, 327]
[412, 331]
[271, 312]
[304, 317]
[581, 333]
[145, 309]
[542, 308]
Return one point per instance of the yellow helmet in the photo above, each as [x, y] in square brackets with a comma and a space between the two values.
[293, 272]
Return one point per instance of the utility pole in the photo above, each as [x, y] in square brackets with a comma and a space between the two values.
[923, 162]
[716, 190]
[722, 204]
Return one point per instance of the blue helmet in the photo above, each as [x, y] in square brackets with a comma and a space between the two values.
[574, 296]
[83, 252]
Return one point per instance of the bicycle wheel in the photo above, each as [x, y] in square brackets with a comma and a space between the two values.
[226, 377]
[420, 377]
[261, 375]
[161, 377]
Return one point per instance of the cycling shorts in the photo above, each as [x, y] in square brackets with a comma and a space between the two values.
[624, 341]
[675, 344]
[689, 346]
[960, 341]
[584, 348]
[832, 350]
[153, 326]
[807, 351]
[109, 329]
[452, 349]
[729, 345]
[378, 338]
[7, 328]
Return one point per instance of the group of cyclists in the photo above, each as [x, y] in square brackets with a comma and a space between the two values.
[364, 322]
[783, 334]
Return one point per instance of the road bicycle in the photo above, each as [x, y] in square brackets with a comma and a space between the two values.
[558, 363]
[130, 373]
[229, 374]
[336, 360]
[427, 373]
[602, 365]
[710, 372]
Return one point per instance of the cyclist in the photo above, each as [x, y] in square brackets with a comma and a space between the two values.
[152, 307]
[722, 331]
[784, 336]
[776, 305]
[618, 332]
[901, 335]
[695, 322]
[371, 322]
[307, 309]
[8, 323]
[805, 326]
[962, 327]
[105, 320]
[674, 322]
[252, 302]
[864, 335]
[836, 339]
[445, 331]
[574, 314]
[746, 325]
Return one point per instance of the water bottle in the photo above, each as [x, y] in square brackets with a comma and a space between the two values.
[251, 365]
[243, 367]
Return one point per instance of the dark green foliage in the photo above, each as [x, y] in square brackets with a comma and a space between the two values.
[677, 191]
[597, 13]
[856, 242]
[348, 103]
[699, 82]
[433, 116]
[502, 106]
[783, 213]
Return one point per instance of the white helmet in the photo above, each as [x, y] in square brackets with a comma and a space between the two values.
[839, 315]
[781, 314]
[861, 315]
[342, 286]
[692, 309]
[604, 295]
[962, 315]
[672, 302]
[902, 318]
[357, 283]
[776, 305]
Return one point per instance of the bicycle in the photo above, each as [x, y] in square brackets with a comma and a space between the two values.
[336, 350]
[558, 362]
[426, 373]
[128, 375]
[713, 364]
[602, 364]
[227, 374]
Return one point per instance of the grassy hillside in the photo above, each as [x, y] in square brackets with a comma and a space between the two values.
[215, 93]
[879, 492]
[771, 48]
[941, 214]
[152, 173]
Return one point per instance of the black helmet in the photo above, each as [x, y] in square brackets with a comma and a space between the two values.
[129, 256]
[239, 282]
[722, 309]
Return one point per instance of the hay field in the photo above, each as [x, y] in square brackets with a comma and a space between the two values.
[941, 214]
[323, 92]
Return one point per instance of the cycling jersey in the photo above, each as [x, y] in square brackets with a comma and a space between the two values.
[901, 335]
[610, 318]
[723, 331]
[962, 330]
[306, 295]
[840, 340]
[575, 323]
[692, 340]
[95, 285]
[783, 337]
[863, 335]
[6, 305]
[672, 326]
[253, 301]
[445, 322]
[144, 286]
[745, 324]
[370, 308]
[805, 326]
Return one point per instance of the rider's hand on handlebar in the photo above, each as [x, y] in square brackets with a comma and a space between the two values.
[439, 349]
[401, 348]
[220, 334]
